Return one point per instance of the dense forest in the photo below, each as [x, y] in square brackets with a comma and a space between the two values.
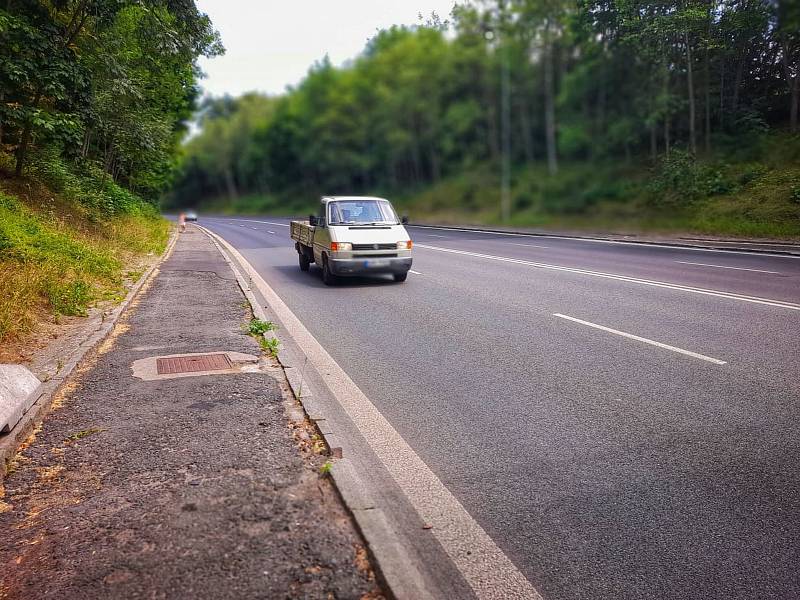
[95, 96]
[503, 86]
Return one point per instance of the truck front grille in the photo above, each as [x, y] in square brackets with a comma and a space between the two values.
[374, 246]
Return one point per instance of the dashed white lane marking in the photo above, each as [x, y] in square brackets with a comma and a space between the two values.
[683, 262]
[603, 241]
[434, 235]
[414, 272]
[529, 245]
[485, 567]
[272, 232]
[649, 282]
[716, 361]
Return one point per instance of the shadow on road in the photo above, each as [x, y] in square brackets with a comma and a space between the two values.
[314, 278]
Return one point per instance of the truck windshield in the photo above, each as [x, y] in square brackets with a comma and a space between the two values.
[361, 212]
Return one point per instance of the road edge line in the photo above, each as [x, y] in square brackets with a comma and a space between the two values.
[89, 341]
[610, 240]
[491, 562]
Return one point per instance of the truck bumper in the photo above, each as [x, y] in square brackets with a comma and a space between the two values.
[369, 266]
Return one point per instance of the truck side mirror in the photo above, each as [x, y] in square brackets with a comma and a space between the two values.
[404, 220]
[312, 220]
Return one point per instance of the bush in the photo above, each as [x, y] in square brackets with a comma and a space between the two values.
[682, 179]
[88, 185]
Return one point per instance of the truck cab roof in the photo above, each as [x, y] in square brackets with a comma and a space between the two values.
[333, 198]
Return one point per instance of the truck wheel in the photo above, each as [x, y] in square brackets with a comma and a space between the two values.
[328, 278]
[400, 276]
[304, 262]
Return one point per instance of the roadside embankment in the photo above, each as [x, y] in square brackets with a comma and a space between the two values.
[67, 246]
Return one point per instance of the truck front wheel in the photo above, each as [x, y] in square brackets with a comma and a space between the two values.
[400, 277]
[328, 278]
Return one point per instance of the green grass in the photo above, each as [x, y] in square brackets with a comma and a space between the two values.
[59, 256]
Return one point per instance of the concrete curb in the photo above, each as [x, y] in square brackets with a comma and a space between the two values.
[10, 443]
[393, 564]
[712, 244]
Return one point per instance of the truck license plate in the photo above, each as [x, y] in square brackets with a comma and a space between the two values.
[376, 263]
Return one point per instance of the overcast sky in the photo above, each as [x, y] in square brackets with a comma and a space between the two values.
[271, 44]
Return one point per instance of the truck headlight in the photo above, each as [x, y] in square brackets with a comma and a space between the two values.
[405, 245]
[341, 246]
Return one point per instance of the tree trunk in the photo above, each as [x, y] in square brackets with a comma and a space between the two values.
[722, 95]
[602, 98]
[690, 82]
[653, 142]
[230, 184]
[738, 82]
[666, 135]
[707, 82]
[549, 107]
[25, 138]
[492, 142]
[794, 88]
[22, 149]
[527, 136]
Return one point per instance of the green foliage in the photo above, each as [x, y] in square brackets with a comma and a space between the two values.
[269, 345]
[108, 85]
[257, 327]
[681, 179]
[69, 298]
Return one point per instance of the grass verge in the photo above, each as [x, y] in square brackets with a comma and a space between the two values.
[60, 256]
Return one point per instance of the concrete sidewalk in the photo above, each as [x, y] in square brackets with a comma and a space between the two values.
[195, 486]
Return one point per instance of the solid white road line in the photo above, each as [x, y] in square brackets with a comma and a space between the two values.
[434, 235]
[252, 221]
[603, 241]
[414, 272]
[272, 232]
[649, 282]
[529, 245]
[683, 262]
[716, 361]
[485, 567]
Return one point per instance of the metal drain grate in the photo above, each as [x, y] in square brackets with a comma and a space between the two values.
[191, 364]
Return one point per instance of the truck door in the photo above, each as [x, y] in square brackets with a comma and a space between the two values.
[322, 235]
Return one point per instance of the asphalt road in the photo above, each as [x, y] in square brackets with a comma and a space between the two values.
[665, 465]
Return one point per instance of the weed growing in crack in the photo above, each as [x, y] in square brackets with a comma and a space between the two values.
[269, 345]
[259, 327]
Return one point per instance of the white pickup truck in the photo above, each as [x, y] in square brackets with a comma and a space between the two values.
[353, 235]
